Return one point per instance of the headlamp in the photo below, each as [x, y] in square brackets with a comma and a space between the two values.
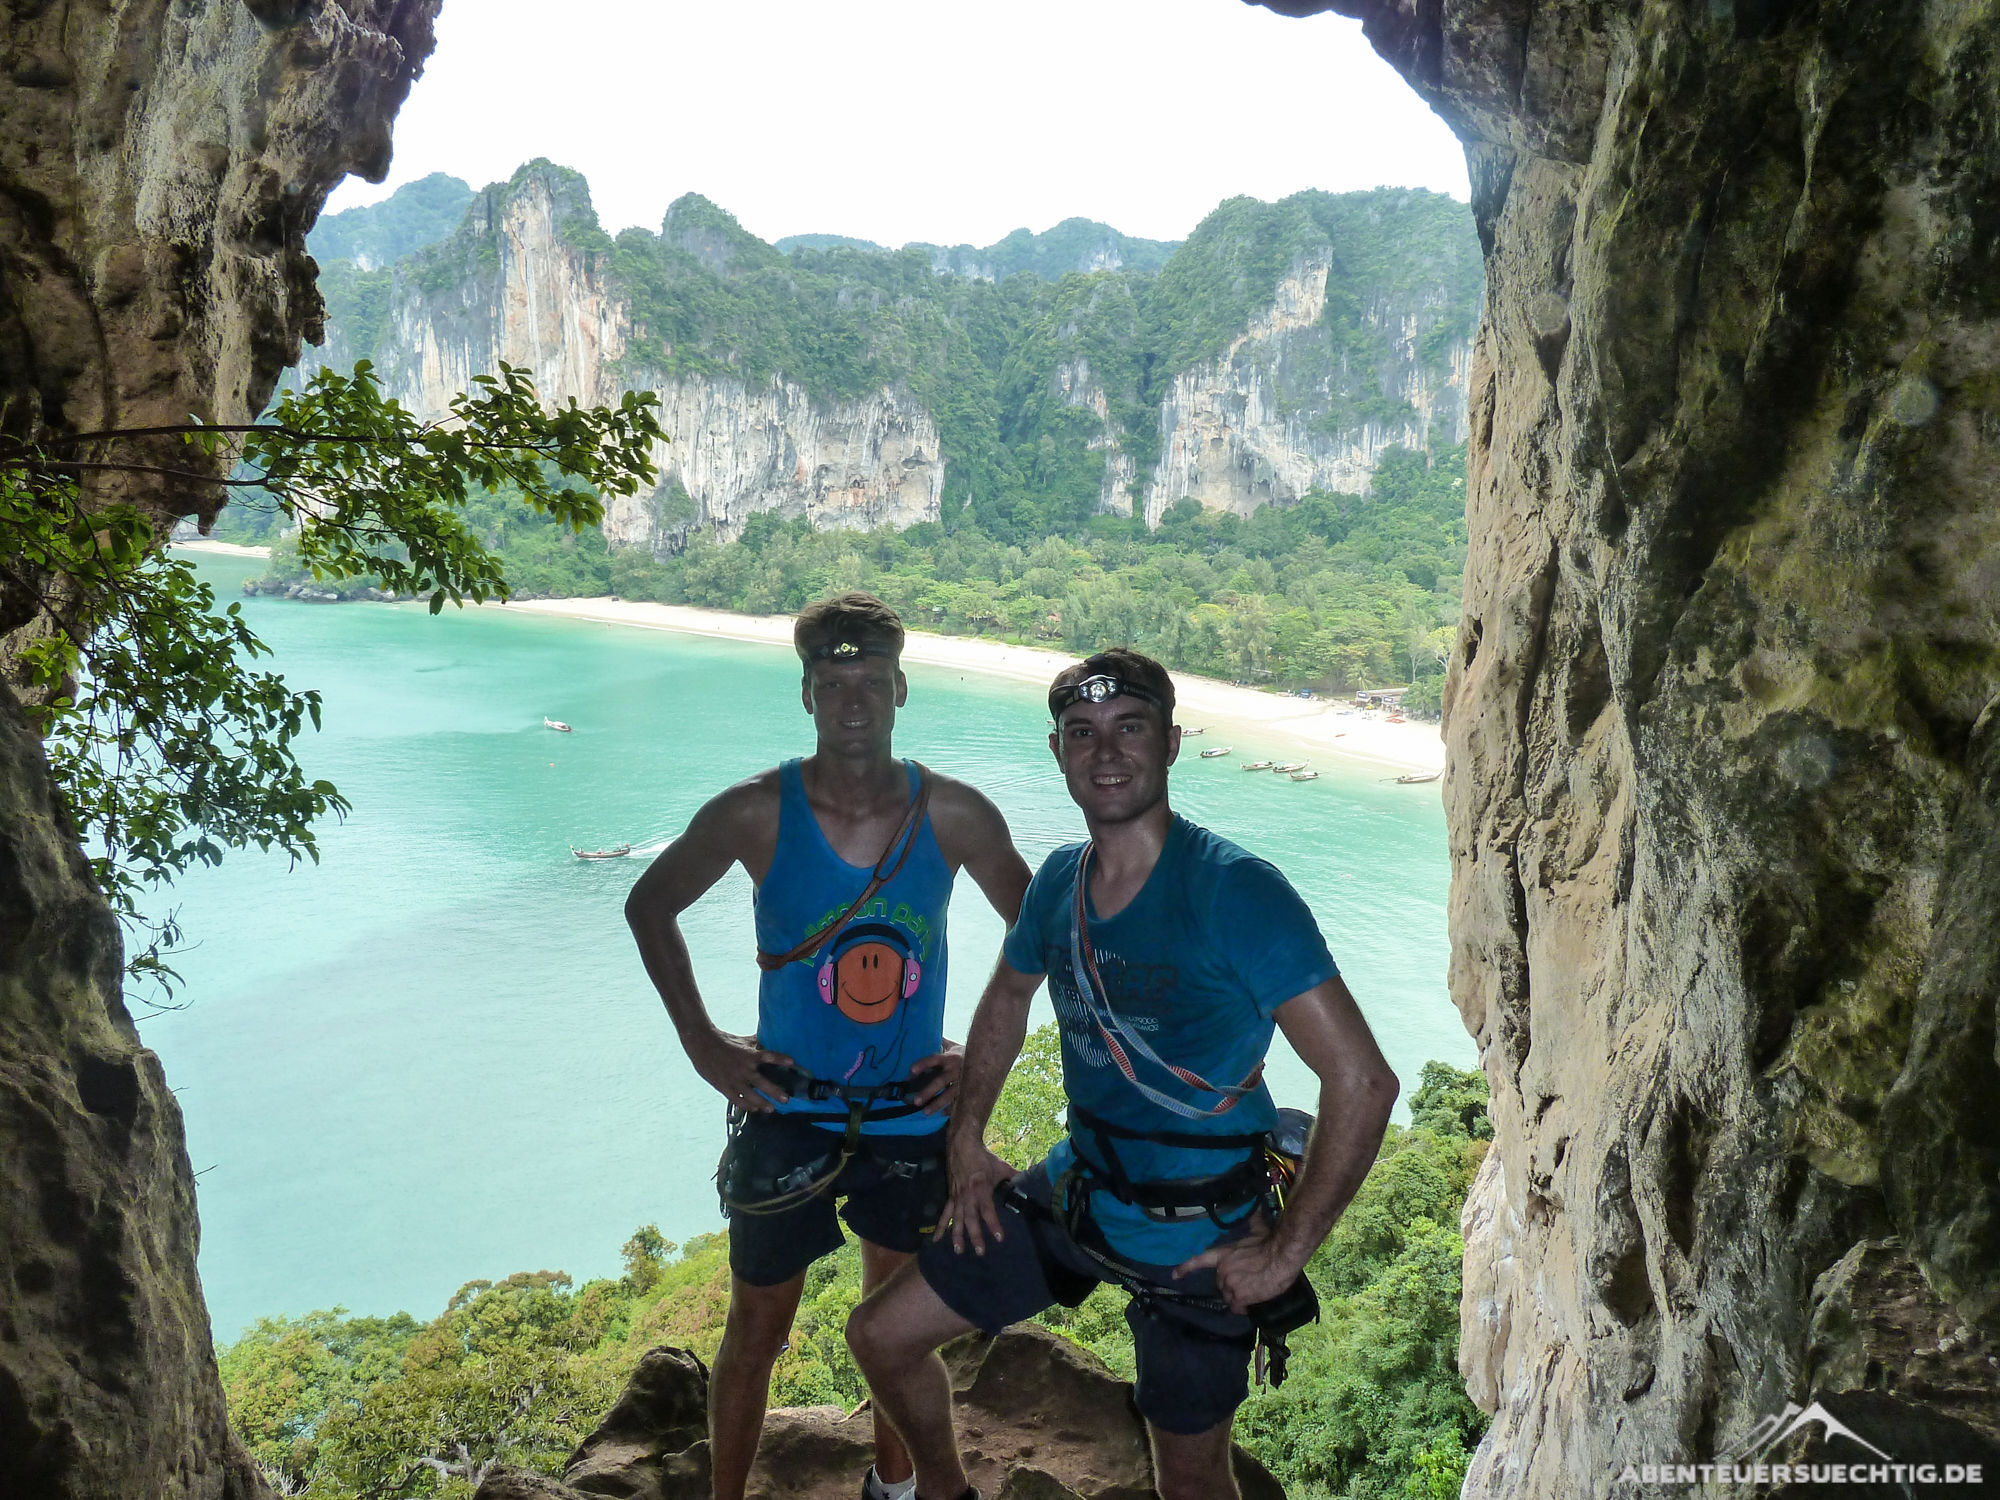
[1098, 688]
[850, 650]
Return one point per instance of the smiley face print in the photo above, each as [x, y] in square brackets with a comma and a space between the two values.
[869, 973]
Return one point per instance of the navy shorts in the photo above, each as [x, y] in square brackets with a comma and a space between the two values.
[895, 1187]
[1194, 1364]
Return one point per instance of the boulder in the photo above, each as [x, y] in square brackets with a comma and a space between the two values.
[1038, 1419]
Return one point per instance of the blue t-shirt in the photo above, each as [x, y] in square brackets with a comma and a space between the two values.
[1197, 961]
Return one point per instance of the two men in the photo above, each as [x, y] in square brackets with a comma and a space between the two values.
[1170, 955]
[838, 1095]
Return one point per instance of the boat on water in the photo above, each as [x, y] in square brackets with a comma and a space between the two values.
[1258, 765]
[616, 851]
[1185, 731]
[1417, 777]
[1288, 767]
[1305, 776]
[1211, 754]
[556, 724]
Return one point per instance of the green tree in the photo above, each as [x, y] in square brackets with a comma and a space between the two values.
[168, 747]
[1028, 1119]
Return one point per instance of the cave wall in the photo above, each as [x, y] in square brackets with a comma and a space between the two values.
[1724, 765]
[160, 163]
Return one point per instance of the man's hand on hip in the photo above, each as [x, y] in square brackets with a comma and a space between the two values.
[729, 1064]
[976, 1175]
[1249, 1270]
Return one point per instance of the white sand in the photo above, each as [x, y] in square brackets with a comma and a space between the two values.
[225, 549]
[1314, 725]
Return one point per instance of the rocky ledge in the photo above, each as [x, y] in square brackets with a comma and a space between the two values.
[1038, 1418]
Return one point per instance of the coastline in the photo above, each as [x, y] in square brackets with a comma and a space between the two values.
[221, 549]
[1317, 726]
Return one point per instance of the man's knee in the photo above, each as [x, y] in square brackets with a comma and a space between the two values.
[886, 1331]
[866, 1335]
[760, 1319]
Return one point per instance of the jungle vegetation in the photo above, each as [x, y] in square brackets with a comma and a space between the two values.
[518, 1371]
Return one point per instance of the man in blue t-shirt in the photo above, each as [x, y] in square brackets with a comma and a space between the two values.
[1170, 954]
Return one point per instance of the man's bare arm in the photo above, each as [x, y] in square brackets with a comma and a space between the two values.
[973, 834]
[1356, 1092]
[726, 830]
[999, 1027]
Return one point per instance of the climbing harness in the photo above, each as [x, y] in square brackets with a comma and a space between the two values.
[742, 1194]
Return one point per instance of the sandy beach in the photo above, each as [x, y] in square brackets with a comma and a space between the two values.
[222, 549]
[1315, 726]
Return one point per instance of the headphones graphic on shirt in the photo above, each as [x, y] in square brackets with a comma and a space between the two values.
[868, 972]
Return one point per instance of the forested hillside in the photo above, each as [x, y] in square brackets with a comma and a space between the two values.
[1276, 351]
[1337, 591]
[1072, 245]
[1248, 461]
[416, 215]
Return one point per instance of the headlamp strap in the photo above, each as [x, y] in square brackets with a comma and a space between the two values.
[1099, 687]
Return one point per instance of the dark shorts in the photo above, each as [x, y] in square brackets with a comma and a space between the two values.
[895, 1187]
[1194, 1364]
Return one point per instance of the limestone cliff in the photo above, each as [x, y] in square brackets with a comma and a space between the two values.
[855, 386]
[159, 166]
[1724, 785]
[1251, 427]
[515, 285]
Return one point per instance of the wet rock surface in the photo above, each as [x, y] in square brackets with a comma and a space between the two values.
[1724, 785]
[1038, 1419]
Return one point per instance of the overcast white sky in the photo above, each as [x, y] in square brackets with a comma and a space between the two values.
[897, 120]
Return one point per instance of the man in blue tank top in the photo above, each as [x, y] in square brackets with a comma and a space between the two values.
[840, 1094]
[1171, 955]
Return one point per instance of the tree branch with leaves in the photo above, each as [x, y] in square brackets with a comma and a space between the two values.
[169, 746]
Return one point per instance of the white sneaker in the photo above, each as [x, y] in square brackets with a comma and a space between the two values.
[873, 1487]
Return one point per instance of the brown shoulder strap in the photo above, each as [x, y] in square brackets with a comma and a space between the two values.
[901, 842]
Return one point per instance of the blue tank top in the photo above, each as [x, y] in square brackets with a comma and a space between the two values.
[870, 1003]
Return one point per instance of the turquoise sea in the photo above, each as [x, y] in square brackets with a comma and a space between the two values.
[434, 1057]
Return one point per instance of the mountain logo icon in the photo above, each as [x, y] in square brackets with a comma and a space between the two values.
[1771, 1431]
